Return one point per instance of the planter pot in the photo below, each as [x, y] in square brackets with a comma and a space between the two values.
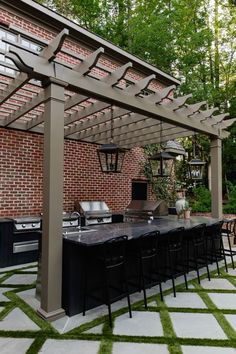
[187, 214]
[179, 205]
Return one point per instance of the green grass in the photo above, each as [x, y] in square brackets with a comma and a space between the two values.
[107, 338]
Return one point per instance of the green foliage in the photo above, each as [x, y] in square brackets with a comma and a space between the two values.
[230, 207]
[201, 199]
[163, 187]
[191, 39]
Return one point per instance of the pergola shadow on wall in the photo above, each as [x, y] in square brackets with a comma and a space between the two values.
[44, 93]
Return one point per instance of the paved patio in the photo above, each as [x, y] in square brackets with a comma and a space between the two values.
[199, 320]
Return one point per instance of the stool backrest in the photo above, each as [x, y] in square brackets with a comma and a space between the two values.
[148, 243]
[196, 233]
[229, 227]
[175, 238]
[214, 230]
[114, 250]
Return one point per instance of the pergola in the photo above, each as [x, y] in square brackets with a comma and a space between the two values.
[49, 95]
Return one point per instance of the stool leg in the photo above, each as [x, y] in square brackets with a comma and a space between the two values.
[108, 297]
[160, 287]
[230, 251]
[173, 284]
[127, 290]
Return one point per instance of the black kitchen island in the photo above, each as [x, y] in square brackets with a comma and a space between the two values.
[81, 249]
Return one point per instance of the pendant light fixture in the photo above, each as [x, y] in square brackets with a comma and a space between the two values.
[196, 165]
[161, 163]
[110, 155]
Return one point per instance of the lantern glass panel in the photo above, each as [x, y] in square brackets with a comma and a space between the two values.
[196, 169]
[111, 158]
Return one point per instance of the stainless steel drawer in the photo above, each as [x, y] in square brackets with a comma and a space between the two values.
[25, 246]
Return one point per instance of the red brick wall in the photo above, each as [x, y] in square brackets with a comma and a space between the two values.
[21, 158]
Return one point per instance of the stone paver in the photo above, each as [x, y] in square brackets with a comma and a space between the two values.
[29, 297]
[139, 348]
[19, 279]
[217, 283]
[70, 346]
[142, 324]
[231, 319]
[232, 271]
[187, 349]
[4, 290]
[16, 320]
[185, 300]
[35, 269]
[14, 345]
[226, 301]
[95, 330]
[202, 325]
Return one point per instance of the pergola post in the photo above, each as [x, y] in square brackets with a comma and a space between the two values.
[51, 278]
[216, 178]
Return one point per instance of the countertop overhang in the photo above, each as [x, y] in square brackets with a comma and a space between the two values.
[135, 229]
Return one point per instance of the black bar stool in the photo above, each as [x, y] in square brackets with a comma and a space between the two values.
[229, 230]
[113, 265]
[173, 246]
[148, 252]
[196, 244]
[216, 251]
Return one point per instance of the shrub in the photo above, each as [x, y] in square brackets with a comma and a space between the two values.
[201, 199]
[230, 206]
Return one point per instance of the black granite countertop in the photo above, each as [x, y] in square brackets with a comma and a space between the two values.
[101, 233]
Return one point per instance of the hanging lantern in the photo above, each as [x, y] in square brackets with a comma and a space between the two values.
[111, 156]
[174, 148]
[196, 167]
[161, 164]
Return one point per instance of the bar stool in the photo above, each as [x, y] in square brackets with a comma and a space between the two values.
[113, 261]
[147, 262]
[173, 246]
[229, 230]
[216, 249]
[196, 245]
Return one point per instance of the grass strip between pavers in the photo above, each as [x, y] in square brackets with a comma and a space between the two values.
[107, 338]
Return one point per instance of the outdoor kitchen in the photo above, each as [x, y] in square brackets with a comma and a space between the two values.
[76, 115]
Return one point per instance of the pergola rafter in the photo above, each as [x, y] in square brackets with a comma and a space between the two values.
[136, 116]
[143, 113]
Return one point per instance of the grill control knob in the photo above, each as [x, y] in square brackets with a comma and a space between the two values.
[23, 226]
[71, 222]
[33, 225]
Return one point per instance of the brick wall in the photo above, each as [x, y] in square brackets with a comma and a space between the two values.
[21, 159]
[21, 156]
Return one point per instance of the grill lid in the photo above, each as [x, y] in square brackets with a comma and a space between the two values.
[26, 219]
[147, 207]
[92, 209]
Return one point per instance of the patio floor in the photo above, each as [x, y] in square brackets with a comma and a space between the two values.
[199, 320]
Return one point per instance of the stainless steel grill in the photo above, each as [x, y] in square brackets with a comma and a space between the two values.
[25, 237]
[27, 223]
[94, 212]
[70, 220]
[145, 209]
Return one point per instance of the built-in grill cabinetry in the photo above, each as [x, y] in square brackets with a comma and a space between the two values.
[94, 212]
[139, 210]
[19, 240]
